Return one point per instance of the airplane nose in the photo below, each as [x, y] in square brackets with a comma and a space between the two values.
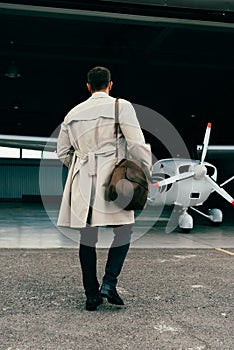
[199, 171]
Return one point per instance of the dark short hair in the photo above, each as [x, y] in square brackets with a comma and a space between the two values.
[99, 78]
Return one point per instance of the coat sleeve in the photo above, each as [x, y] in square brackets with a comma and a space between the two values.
[136, 145]
[64, 147]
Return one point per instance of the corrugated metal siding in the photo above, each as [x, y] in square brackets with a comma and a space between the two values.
[51, 180]
[19, 178]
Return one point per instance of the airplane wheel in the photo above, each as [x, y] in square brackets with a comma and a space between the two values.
[185, 222]
[216, 216]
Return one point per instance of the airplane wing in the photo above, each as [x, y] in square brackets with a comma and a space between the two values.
[217, 150]
[39, 143]
[29, 142]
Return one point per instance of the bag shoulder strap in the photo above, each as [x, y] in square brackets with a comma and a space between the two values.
[117, 126]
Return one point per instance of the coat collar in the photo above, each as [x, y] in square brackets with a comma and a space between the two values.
[99, 94]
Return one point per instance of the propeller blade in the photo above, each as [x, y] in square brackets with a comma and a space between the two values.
[225, 182]
[206, 142]
[220, 190]
[174, 179]
[173, 219]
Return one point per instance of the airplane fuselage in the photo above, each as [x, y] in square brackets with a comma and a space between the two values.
[186, 193]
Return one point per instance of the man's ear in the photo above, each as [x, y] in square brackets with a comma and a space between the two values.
[89, 87]
[110, 85]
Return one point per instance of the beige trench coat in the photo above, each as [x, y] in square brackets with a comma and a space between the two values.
[89, 129]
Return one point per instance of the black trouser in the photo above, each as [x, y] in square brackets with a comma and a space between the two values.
[116, 256]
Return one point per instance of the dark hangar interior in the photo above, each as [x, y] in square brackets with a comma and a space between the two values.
[175, 57]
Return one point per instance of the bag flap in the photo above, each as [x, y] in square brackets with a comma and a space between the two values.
[136, 174]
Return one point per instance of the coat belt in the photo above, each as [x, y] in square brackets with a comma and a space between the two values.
[91, 158]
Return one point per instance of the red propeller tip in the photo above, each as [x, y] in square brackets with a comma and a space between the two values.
[209, 125]
[232, 203]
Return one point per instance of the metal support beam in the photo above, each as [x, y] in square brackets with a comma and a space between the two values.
[112, 17]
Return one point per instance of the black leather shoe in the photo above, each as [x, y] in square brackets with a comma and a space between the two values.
[93, 302]
[111, 294]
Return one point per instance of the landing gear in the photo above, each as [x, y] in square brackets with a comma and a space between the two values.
[215, 216]
[185, 222]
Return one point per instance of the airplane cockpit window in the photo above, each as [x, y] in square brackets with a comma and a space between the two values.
[210, 170]
[184, 168]
[159, 177]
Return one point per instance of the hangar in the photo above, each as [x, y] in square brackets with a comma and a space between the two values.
[175, 57]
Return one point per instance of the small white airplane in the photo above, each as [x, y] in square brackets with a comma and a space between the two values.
[186, 183]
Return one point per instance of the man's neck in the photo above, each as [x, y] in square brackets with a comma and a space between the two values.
[103, 90]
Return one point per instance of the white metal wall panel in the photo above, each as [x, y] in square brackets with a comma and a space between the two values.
[51, 180]
[17, 180]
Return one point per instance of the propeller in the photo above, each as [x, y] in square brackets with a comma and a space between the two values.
[198, 171]
[174, 179]
[220, 190]
[206, 142]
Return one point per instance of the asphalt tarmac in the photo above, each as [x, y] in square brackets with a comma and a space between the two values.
[178, 291]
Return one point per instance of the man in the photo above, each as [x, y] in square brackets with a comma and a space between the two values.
[87, 145]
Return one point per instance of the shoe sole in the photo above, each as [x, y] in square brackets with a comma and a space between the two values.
[93, 308]
[110, 300]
